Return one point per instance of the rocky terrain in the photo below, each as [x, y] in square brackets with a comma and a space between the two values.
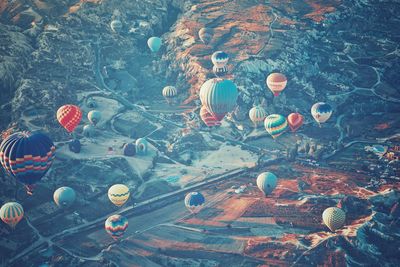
[344, 53]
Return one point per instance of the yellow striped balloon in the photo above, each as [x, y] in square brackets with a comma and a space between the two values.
[11, 213]
[334, 218]
[275, 125]
[118, 194]
[257, 115]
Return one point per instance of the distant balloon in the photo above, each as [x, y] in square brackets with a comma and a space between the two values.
[11, 213]
[219, 59]
[64, 196]
[91, 103]
[116, 26]
[118, 194]
[194, 201]
[116, 226]
[141, 146]
[74, 146]
[69, 116]
[257, 115]
[295, 120]
[129, 150]
[219, 97]
[220, 72]
[334, 218]
[169, 92]
[27, 157]
[267, 182]
[208, 119]
[321, 112]
[89, 131]
[275, 125]
[154, 44]
[276, 82]
[206, 35]
[94, 116]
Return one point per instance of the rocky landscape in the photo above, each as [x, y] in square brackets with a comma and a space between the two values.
[345, 53]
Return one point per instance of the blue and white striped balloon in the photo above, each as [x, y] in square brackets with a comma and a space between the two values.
[220, 59]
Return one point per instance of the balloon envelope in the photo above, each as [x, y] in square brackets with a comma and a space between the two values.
[207, 118]
[116, 25]
[154, 44]
[321, 112]
[267, 182]
[334, 218]
[94, 116]
[64, 196]
[75, 146]
[194, 201]
[89, 130]
[169, 91]
[141, 146]
[11, 213]
[275, 125]
[129, 150]
[276, 82]
[116, 226]
[69, 116]
[118, 194]
[206, 35]
[219, 59]
[220, 72]
[257, 115]
[219, 97]
[295, 120]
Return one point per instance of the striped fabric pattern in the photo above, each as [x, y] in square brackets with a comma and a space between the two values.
[69, 116]
[116, 225]
[276, 82]
[220, 72]
[275, 125]
[27, 156]
[207, 118]
[257, 115]
[219, 59]
[11, 213]
[169, 91]
[334, 218]
[118, 194]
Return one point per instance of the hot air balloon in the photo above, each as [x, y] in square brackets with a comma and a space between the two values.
[89, 131]
[74, 146]
[154, 44]
[116, 226]
[64, 196]
[220, 72]
[219, 97]
[118, 194]
[169, 92]
[257, 115]
[321, 112]
[207, 118]
[295, 120]
[141, 146]
[94, 116]
[91, 103]
[27, 157]
[194, 201]
[129, 150]
[11, 213]
[206, 35]
[275, 125]
[267, 182]
[69, 116]
[334, 218]
[116, 25]
[276, 82]
[219, 59]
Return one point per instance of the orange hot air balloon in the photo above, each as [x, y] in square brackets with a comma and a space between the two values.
[295, 120]
[276, 82]
[69, 116]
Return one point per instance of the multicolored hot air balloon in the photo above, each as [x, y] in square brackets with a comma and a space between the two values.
[94, 116]
[220, 72]
[295, 120]
[116, 226]
[27, 157]
[169, 92]
[69, 116]
[267, 182]
[141, 146]
[219, 97]
[64, 196]
[220, 59]
[11, 213]
[118, 194]
[275, 125]
[194, 201]
[207, 118]
[154, 44]
[206, 35]
[276, 82]
[334, 218]
[321, 112]
[257, 115]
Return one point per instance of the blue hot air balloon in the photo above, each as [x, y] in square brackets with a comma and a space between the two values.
[194, 201]
[27, 157]
[321, 112]
[141, 146]
[75, 146]
[154, 44]
[220, 59]
[64, 196]
[219, 97]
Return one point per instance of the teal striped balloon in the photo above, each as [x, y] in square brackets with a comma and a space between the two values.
[275, 125]
[257, 115]
[154, 44]
[11, 213]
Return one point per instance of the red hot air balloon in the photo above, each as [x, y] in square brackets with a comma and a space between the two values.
[69, 116]
[295, 120]
[207, 118]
